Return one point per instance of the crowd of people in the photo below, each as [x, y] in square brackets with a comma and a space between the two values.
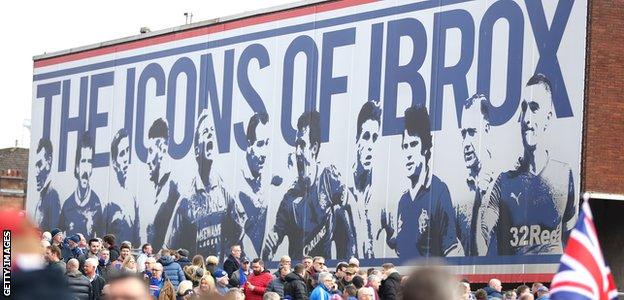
[102, 269]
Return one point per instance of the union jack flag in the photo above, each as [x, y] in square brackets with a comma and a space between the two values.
[583, 273]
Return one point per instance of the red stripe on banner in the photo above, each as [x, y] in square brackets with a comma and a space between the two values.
[580, 253]
[509, 278]
[220, 27]
[561, 284]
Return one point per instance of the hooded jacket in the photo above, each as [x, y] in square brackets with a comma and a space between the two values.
[260, 282]
[390, 287]
[295, 287]
[172, 270]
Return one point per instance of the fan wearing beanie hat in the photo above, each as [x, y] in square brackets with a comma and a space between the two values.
[221, 281]
[57, 236]
[73, 241]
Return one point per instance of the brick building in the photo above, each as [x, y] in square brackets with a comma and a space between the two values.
[603, 136]
[13, 176]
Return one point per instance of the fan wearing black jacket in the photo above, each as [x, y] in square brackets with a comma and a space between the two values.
[390, 287]
[295, 286]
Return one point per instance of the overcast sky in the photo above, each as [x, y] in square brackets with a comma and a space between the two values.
[34, 27]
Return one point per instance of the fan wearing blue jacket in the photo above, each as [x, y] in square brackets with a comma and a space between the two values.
[322, 290]
[172, 269]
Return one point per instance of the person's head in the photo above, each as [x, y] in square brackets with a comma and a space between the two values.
[84, 160]
[358, 281]
[464, 291]
[416, 142]
[430, 283]
[366, 293]
[542, 290]
[221, 277]
[307, 262]
[258, 133]
[206, 284]
[120, 155]
[271, 296]
[235, 293]
[495, 284]
[90, 265]
[527, 296]
[109, 240]
[308, 144]
[157, 148]
[349, 291]
[535, 287]
[510, 295]
[72, 265]
[481, 294]
[466, 282]
[523, 289]
[198, 260]
[374, 281]
[236, 251]
[475, 125]
[284, 270]
[285, 261]
[257, 265]
[300, 269]
[212, 260]
[73, 241]
[341, 267]
[157, 270]
[147, 248]
[368, 124]
[537, 111]
[245, 264]
[326, 279]
[185, 288]
[94, 246]
[123, 286]
[124, 251]
[354, 262]
[57, 236]
[43, 163]
[205, 144]
[318, 263]
[105, 255]
[52, 254]
[349, 274]
[150, 262]
[129, 263]
[47, 236]
[388, 268]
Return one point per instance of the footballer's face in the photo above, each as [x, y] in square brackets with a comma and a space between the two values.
[122, 162]
[205, 147]
[305, 154]
[85, 167]
[366, 142]
[472, 127]
[257, 151]
[412, 154]
[535, 115]
[156, 149]
[42, 169]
